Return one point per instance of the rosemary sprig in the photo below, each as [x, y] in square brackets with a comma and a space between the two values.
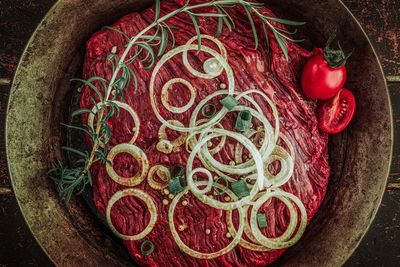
[69, 180]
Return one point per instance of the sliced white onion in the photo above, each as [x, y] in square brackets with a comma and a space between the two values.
[151, 207]
[164, 146]
[256, 168]
[270, 136]
[239, 147]
[194, 253]
[245, 168]
[138, 154]
[162, 172]
[247, 230]
[164, 96]
[286, 239]
[191, 140]
[167, 56]
[173, 144]
[259, 167]
[210, 181]
[212, 67]
[288, 144]
[287, 167]
[269, 101]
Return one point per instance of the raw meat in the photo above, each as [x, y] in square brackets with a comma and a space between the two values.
[269, 72]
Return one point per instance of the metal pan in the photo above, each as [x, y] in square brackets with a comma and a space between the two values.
[71, 235]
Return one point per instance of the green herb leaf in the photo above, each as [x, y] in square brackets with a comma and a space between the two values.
[240, 188]
[196, 26]
[81, 111]
[157, 10]
[229, 102]
[117, 30]
[282, 44]
[286, 22]
[73, 150]
[253, 27]
[262, 220]
[147, 243]
[164, 41]
[266, 35]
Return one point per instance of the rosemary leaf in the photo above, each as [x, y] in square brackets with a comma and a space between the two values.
[282, 44]
[164, 41]
[220, 23]
[253, 27]
[196, 26]
[120, 83]
[171, 33]
[76, 128]
[157, 10]
[228, 22]
[89, 175]
[117, 30]
[87, 82]
[133, 75]
[214, 15]
[73, 150]
[81, 111]
[285, 31]
[266, 35]
[150, 54]
[285, 21]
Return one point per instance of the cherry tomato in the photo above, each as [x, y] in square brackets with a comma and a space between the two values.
[324, 74]
[321, 81]
[336, 113]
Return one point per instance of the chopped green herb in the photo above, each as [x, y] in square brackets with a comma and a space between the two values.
[147, 247]
[212, 113]
[229, 102]
[243, 121]
[240, 188]
[215, 185]
[176, 185]
[262, 220]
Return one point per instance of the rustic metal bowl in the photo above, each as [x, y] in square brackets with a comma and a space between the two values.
[72, 236]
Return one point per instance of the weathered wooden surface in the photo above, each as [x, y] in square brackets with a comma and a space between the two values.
[379, 18]
[381, 21]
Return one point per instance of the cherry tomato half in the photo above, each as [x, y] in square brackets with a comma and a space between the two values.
[335, 114]
[321, 81]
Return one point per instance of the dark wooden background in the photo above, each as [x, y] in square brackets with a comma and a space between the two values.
[379, 18]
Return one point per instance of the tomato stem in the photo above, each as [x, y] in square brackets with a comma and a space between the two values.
[335, 58]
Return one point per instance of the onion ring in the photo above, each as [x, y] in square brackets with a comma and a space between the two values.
[162, 134]
[169, 55]
[214, 150]
[197, 254]
[244, 243]
[283, 241]
[157, 169]
[209, 73]
[138, 154]
[259, 166]
[164, 92]
[209, 185]
[150, 206]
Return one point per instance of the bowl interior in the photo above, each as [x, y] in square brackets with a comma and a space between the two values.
[71, 235]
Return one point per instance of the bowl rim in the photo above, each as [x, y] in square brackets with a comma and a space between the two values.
[23, 61]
